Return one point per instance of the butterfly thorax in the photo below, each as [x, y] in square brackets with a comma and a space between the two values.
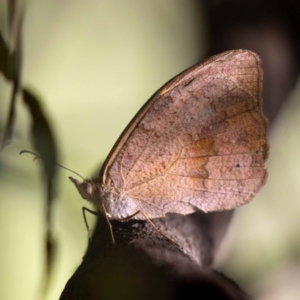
[107, 198]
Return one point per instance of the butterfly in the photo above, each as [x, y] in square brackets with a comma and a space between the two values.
[199, 143]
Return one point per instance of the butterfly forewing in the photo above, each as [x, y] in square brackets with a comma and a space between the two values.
[198, 143]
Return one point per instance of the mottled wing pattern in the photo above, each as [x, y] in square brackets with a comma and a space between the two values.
[199, 142]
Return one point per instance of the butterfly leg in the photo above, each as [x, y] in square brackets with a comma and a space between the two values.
[109, 224]
[84, 210]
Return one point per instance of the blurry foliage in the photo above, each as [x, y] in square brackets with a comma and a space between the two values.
[41, 133]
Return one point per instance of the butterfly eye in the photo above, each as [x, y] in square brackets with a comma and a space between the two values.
[89, 188]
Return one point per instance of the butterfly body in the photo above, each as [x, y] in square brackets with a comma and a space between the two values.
[116, 204]
[199, 143]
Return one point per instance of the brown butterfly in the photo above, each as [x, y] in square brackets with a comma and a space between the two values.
[199, 143]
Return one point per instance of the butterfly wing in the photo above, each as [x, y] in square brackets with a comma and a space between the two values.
[198, 143]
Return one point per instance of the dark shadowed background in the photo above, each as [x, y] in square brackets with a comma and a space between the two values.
[94, 63]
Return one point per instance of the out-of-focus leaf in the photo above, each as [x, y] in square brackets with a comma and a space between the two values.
[42, 136]
[44, 144]
[6, 59]
[10, 66]
[12, 9]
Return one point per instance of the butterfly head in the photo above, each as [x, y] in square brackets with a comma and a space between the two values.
[85, 188]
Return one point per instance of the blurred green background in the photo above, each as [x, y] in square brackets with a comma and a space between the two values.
[94, 63]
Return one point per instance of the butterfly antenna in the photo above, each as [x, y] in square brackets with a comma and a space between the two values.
[39, 157]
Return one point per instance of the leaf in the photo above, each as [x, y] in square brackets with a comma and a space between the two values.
[44, 144]
[10, 66]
